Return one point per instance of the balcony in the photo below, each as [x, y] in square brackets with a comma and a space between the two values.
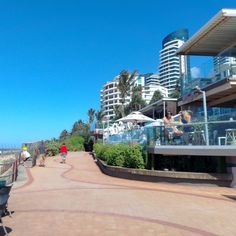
[180, 139]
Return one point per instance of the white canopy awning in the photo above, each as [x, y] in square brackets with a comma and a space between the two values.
[136, 116]
[218, 36]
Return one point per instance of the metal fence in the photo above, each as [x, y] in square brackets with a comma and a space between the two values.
[8, 167]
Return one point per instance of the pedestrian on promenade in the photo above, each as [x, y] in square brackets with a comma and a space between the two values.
[63, 152]
[25, 155]
[42, 154]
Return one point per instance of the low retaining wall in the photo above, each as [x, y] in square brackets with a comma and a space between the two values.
[165, 176]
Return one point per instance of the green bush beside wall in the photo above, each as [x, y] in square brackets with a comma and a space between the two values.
[122, 155]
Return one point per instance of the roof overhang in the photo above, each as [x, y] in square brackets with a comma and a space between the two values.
[217, 37]
[158, 105]
[219, 94]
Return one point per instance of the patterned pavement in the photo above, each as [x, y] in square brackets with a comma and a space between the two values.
[77, 199]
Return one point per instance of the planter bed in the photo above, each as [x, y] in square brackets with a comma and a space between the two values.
[165, 176]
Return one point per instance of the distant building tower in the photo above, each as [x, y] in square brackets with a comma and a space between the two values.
[224, 67]
[172, 67]
[110, 95]
[110, 98]
[153, 79]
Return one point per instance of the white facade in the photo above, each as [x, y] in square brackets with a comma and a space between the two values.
[110, 97]
[138, 80]
[152, 80]
[149, 90]
[172, 66]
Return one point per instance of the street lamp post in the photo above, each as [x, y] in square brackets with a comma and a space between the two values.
[103, 131]
[197, 89]
[104, 120]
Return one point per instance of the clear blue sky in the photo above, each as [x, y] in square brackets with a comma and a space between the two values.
[55, 55]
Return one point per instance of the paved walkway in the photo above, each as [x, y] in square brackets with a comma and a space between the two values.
[77, 199]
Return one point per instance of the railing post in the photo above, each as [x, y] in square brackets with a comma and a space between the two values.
[205, 117]
[152, 162]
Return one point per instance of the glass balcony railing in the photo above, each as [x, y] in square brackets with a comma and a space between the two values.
[197, 133]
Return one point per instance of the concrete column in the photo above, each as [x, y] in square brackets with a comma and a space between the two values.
[153, 112]
[231, 168]
[152, 162]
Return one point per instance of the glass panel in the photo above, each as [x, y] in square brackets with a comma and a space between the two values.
[219, 133]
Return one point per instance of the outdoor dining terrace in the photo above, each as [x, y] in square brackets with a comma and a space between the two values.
[213, 133]
[199, 147]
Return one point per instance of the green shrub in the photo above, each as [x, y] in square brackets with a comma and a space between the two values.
[116, 156]
[133, 157]
[120, 155]
[145, 156]
[75, 143]
[101, 150]
[107, 152]
[97, 147]
[53, 148]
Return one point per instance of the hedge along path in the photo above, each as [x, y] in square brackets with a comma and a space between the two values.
[77, 199]
[129, 156]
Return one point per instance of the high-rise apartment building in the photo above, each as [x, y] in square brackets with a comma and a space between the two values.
[110, 95]
[172, 67]
[152, 84]
[110, 98]
[153, 79]
[224, 67]
[149, 90]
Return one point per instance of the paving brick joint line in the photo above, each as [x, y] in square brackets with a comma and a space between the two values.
[156, 221]
[142, 188]
[104, 205]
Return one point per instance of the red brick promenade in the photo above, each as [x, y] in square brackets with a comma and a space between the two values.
[77, 199]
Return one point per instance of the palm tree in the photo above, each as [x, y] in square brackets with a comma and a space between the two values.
[64, 134]
[124, 86]
[91, 113]
[117, 110]
[99, 116]
[156, 96]
[176, 92]
[137, 101]
[80, 128]
[74, 128]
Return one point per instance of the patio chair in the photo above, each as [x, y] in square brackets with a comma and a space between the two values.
[5, 191]
[4, 196]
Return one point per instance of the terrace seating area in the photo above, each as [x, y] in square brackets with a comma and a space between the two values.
[155, 133]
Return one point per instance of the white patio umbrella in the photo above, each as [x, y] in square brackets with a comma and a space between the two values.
[137, 117]
[157, 122]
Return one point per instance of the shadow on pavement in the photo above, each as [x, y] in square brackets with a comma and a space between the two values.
[232, 197]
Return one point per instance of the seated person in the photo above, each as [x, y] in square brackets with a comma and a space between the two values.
[185, 118]
[170, 130]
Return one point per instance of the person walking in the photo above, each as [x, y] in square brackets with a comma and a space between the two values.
[42, 154]
[63, 152]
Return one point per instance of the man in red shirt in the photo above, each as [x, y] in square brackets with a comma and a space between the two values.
[63, 152]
